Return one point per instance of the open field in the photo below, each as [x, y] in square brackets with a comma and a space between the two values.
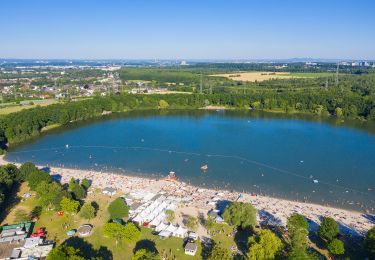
[12, 108]
[262, 76]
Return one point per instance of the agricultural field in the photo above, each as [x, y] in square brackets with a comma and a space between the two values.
[13, 107]
[262, 76]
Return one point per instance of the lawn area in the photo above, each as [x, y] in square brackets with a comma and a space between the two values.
[12, 108]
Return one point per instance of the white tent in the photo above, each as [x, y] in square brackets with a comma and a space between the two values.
[171, 228]
[161, 227]
[180, 232]
[165, 233]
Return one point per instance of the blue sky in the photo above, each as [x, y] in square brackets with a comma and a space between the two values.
[187, 29]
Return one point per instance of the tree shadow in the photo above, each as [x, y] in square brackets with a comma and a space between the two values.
[241, 238]
[222, 204]
[95, 205]
[10, 201]
[87, 250]
[147, 244]
[207, 246]
[369, 217]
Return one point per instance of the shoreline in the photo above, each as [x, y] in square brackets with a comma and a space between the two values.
[204, 199]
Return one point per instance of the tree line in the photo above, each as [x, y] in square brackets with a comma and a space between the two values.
[23, 125]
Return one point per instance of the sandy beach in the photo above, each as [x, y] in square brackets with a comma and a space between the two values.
[273, 209]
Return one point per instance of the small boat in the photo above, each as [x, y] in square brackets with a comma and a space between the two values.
[67, 145]
[204, 167]
[315, 181]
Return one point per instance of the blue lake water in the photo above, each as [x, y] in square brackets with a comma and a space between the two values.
[248, 151]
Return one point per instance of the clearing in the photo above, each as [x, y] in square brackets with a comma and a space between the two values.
[262, 76]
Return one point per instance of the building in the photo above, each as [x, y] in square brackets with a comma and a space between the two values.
[191, 249]
[15, 233]
[109, 191]
[34, 248]
[214, 214]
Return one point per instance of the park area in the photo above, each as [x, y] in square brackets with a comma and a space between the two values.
[97, 243]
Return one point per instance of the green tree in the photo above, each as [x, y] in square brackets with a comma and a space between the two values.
[240, 214]
[328, 229]
[192, 223]
[118, 209]
[209, 223]
[144, 254]
[115, 230]
[298, 230]
[369, 243]
[69, 206]
[336, 247]
[49, 194]
[163, 104]
[132, 233]
[27, 168]
[87, 211]
[219, 253]
[296, 222]
[170, 215]
[78, 192]
[72, 184]
[34, 178]
[85, 183]
[339, 112]
[264, 245]
[64, 252]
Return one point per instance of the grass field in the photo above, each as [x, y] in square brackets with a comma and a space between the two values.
[262, 76]
[12, 108]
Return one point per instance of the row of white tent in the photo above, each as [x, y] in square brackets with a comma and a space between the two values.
[153, 212]
[168, 230]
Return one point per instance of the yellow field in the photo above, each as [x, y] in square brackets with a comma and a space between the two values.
[16, 108]
[254, 76]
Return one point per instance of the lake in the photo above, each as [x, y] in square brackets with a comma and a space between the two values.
[295, 157]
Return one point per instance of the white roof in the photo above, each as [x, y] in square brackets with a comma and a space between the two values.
[181, 231]
[171, 228]
[161, 227]
[32, 242]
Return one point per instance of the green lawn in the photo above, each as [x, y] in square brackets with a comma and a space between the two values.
[12, 108]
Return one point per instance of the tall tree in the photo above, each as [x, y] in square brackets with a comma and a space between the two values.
[264, 245]
[240, 214]
[144, 254]
[69, 206]
[87, 211]
[64, 252]
[118, 209]
[369, 243]
[219, 253]
[328, 229]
